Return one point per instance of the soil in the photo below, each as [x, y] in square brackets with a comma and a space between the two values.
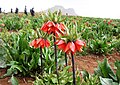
[21, 80]
[88, 63]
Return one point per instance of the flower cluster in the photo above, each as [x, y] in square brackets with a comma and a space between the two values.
[72, 46]
[37, 43]
[109, 22]
[50, 27]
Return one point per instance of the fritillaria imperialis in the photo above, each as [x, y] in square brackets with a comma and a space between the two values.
[40, 42]
[72, 46]
[51, 28]
[52, 25]
[70, 43]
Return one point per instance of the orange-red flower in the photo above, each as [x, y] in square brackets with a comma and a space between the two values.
[79, 44]
[37, 43]
[61, 44]
[109, 22]
[34, 43]
[47, 26]
[50, 27]
[70, 46]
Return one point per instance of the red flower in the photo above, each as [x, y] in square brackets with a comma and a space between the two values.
[34, 43]
[47, 43]
[109, 22]
[61, 44]
[79, 44]
[47, 26]
[60, 28]
[50, 27]
[37, 43]
[70, 46]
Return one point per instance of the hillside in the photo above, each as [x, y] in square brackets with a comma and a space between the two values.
[69, 11]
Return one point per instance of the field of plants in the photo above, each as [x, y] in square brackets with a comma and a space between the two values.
[46, 47]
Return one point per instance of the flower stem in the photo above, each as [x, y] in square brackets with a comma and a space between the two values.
[41, 61]
[66, 59]
[56, 63]
[74, 82]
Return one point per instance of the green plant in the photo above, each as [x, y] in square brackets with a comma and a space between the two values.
[100, 46]
[117, 45]
[14, 80]
[21, 55]
[89, 79]
[117, 64]
[12, 23]
[36, 22]
[3, 54]
[65, 78]
[52, 25]
[106, 74]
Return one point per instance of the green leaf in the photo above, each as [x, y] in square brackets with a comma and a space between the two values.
[18, 67]
[107, 81]
[9, 73]
[78, 80]
[38, 82]
[54, 80]
[117, 64]
[85, 75]
[34, 61]
[105, 70]
[14, 80]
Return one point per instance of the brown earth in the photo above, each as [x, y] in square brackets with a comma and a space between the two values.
[22, 81]
[88, 63]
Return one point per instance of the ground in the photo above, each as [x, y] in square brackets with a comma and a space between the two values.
[88, 63]
[22, 81]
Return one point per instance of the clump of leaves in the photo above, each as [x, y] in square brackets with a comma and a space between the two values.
[106, 74]
[89, 79]
[65, 78]
[100, 46]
